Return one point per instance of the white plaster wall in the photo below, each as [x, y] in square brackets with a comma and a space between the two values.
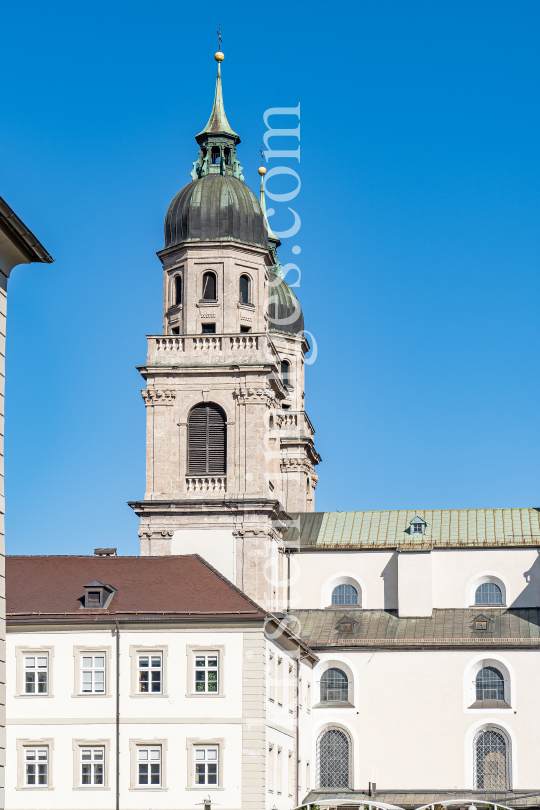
[216, 546]
[415, 594]
[455, 573]
[312, 575]
[411, 728]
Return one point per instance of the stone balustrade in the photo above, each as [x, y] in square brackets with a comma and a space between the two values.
[296, 423]
[250, 347]
[206, 483]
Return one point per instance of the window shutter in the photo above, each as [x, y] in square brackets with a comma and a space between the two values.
[206, 440]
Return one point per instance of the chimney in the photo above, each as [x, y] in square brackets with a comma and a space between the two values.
[105, 552]
[372, 788]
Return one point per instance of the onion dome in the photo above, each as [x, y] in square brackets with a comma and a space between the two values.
[215, 208]
[216, 205]
[284, 310]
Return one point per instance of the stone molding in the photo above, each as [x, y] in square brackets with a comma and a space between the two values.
[156, 534]
[255, 396]
[158, 396]
[296, 465]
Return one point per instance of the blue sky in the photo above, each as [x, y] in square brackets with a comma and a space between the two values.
[420, 208]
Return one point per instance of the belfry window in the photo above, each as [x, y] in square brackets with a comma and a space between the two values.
[227, 156]
[207, 440]
[209, 286]
[285, 372]
[178, 290]
[334, 686]
[488, 594]
[244, 290]
[215, 155]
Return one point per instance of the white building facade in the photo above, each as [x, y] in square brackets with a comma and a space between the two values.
[163, 707]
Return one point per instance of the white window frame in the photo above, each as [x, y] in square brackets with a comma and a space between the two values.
[21, 653]
[93, 669]
[203, 758]
[194, 651]
[151, 760]
[193, 744]
[37, 751]
[142, 651]
[93, 762]
[36, 669]
[207, 669]
[150, 669]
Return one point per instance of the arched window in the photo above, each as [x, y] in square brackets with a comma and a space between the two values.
[207, 440]
[244, 290]
[489, 684]
[215, 154]
[344, 595]
[227, 156]
[334, 686]
[285, 372]
[488, 594]
[209, 286]
[178, 289]
[333, 758]
[490, 760]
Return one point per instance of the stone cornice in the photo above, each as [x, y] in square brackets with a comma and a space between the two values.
[157, 396]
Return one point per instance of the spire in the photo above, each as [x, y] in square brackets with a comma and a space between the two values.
[217, 141]
[273, 241]
[217, 123]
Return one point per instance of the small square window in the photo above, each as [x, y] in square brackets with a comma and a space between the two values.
[244, 329]
[417, 528]
[206, 673]
[150, 673]
[36, 672]
[480, 624]
[208, 329]
[94, 599]
[206, 766]
[345, 627]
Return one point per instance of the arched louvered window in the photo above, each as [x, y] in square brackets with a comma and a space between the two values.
[344, 595]
[207, 440]
[209, 286]
[244, 290]
[333, 759]
[178, 289]
[334, 686]
[491, 760]
[489, 684]
[488, 594]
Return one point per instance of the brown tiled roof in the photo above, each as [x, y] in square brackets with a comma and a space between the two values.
[149, 587]
[507, 627]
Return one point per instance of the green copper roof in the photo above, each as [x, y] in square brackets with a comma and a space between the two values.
[217, 123]
[446, 528]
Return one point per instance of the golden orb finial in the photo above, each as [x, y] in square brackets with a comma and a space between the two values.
[262, 170]
[219, 56]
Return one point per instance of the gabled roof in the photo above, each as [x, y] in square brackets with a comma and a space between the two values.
[446, 528]
[146, 587]
[514, 627]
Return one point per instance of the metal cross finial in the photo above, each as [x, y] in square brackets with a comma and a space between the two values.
[262, 155]
[218, 32]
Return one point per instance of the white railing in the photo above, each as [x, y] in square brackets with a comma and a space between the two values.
[208, 342]
[244, 342]
[171, 344]
[210, 483]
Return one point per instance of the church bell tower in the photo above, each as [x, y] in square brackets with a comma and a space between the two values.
[230, 450]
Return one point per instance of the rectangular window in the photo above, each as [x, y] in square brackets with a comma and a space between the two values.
[36, 671]
[308, 775]
[206, 673]
[300, 692]
[279, 771]
[291, 689]
[291, 773]
[209, 329]
[308, 697]
[149, 767]
[93, 674]
[271, 777]
[92, 767]
[271, 677]
[280, 681]
[206, 766]
[36, 761]
[150, 673]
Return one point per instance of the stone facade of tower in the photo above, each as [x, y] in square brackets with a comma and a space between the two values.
[232, 338]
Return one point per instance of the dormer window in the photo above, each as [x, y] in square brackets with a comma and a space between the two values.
[480, 624]
[417, 525]
[97, 595]
[345, 627]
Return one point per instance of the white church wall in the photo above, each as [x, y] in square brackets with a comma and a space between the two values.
[411, 723]
[313, 575]
[415, 584]
[458, 572]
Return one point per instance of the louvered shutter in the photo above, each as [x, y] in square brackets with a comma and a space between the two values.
[206, 441]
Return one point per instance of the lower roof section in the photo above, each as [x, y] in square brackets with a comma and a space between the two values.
[511, 627]
[418, 798]
[445, 528]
